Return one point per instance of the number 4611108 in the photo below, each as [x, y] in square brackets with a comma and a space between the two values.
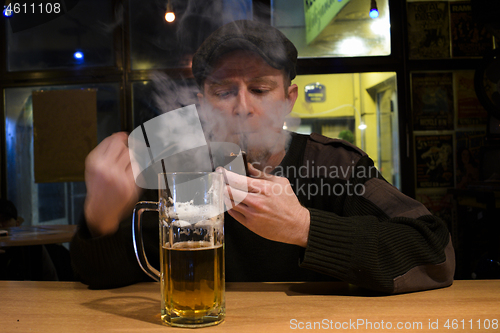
[471, 324]
[31, 8]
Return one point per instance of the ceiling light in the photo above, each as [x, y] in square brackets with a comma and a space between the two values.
[373, 9]
[169, 15]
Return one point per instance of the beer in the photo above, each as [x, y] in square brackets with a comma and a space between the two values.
[193, 283]
[191, 227]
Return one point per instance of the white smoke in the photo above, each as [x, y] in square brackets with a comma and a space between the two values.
[187, 152]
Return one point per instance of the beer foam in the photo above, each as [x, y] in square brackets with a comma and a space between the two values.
[181, 223]
[188, 212]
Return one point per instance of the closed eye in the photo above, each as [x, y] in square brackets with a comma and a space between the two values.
[260, 91]
[224, 93]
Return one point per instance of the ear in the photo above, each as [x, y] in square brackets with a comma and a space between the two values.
[201, 99]
[293, 93]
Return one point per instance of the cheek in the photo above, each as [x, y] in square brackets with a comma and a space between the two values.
[267, 112]
[221, 107]
[215, 108]
[275, 112]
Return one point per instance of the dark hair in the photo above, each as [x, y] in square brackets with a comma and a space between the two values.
[7, 209]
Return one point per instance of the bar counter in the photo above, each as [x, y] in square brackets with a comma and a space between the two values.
[467, 306]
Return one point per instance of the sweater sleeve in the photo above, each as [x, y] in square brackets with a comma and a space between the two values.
[108, 261]
[380, 239]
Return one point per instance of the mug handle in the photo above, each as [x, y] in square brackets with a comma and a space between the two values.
[138, 241]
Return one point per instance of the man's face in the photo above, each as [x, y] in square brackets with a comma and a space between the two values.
[245, 101]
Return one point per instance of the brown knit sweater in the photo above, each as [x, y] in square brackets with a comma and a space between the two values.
[363, 231]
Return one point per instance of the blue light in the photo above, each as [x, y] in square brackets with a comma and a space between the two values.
[79, 57]
[7, 12]
[374, 13]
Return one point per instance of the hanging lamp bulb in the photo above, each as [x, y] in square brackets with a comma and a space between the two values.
[169, 15]
[373, 9]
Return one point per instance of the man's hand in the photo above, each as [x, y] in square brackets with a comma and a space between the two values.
[111, 189]
[270, 208]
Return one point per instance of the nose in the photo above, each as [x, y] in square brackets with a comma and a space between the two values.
[243, 107]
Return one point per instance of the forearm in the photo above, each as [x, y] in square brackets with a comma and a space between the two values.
[104, 262]
[362, 229]
[393, 255]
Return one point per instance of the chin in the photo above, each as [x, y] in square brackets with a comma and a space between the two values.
[257, 157]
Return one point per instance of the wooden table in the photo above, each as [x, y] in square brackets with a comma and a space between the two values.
[68, 307]
[26, 243]
[37, 235]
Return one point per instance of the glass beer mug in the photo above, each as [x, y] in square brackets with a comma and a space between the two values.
[191, 223]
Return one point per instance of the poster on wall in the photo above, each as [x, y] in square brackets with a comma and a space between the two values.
[434, 160]
[469, 144]
[470, 112]
[432, 101]
[428, 30]
[439, 203]
[64, 133]
[469, 38]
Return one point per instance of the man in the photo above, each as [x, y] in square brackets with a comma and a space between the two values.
[316, 208]
[8, 214]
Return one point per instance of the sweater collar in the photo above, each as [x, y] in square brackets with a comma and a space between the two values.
[294, 152]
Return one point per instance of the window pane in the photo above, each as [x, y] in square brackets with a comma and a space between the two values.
[51, 203]
[86, 28]
[164, 94]
[155, 43]
[349, 30]
[360, 108]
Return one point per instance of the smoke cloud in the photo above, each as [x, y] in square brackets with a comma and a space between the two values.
[187, 137]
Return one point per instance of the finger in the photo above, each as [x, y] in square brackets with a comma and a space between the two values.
[235, 196]
[227, 190]
[119, 136]
[111, 147]
[247, 184]
[230, 204]
[118, 148]
[240, 210]
[237, 216]
[235, 180]
[123, 159]
[253, 171]
[256, 173]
